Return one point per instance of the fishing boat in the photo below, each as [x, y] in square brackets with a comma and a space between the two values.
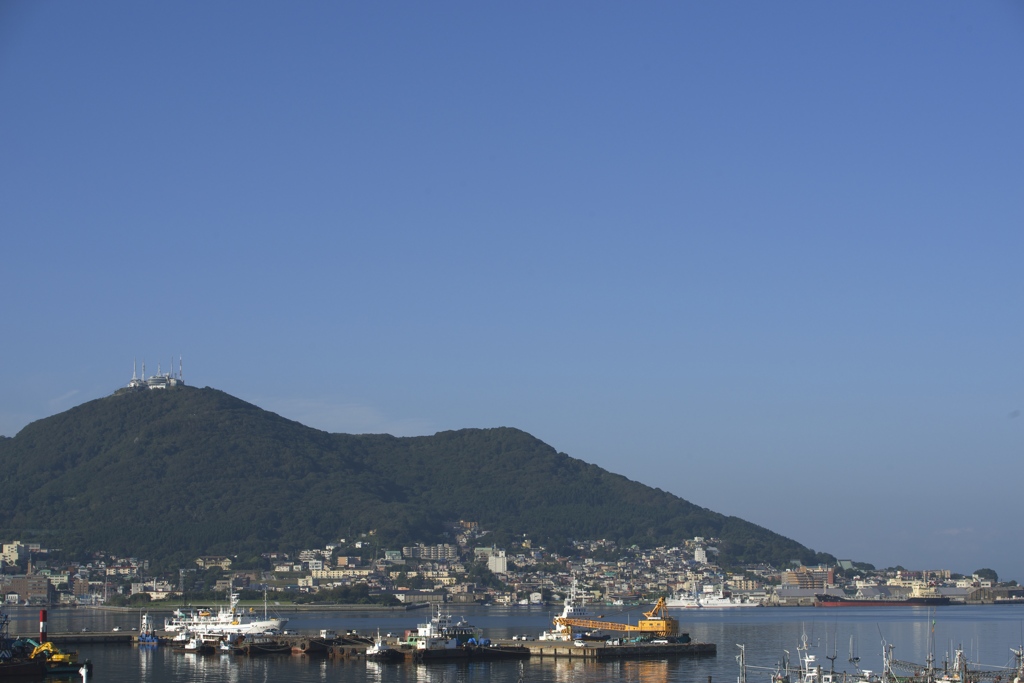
[957, 671]
[807, 670]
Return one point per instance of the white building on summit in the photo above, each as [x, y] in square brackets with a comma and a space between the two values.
[159, 380]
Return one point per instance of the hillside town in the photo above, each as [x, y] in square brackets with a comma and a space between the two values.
[462, 572]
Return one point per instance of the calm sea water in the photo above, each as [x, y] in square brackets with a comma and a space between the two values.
[986, 635]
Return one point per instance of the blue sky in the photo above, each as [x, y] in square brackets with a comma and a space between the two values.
[766, 256]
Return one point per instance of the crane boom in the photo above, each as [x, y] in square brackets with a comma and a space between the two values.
[657, 623]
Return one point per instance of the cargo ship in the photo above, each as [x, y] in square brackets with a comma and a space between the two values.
[827, 600]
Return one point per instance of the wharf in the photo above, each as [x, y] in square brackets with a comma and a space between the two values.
[87, 637]
[345, 648]
[590, 652]
[603, 651]
[475, 653]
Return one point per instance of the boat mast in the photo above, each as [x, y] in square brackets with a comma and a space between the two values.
[835, 653]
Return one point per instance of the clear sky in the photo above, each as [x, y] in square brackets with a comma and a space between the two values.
[766, 256]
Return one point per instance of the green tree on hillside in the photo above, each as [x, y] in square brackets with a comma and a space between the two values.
[987, 575]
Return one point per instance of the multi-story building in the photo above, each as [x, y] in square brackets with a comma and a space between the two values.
[34, 588]
[808, 577]
[14, 553]
[441, 551]
[498, 562]
[216, 561]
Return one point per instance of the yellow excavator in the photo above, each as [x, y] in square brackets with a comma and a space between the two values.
[658, 623]
[53, 655]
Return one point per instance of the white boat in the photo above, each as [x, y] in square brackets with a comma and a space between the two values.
[709, 598]
[223, 621]
[203, 643]
[574, 607]
[441, 633]
[380, 651]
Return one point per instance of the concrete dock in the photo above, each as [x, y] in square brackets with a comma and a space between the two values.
[590, 651]
[596, 651]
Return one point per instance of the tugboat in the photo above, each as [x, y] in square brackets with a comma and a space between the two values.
[146, 635]
[380, 651]
[441, 637]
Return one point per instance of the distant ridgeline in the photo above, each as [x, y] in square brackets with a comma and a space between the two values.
[175, 474]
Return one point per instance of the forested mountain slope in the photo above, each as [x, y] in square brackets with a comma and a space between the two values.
[191, 471]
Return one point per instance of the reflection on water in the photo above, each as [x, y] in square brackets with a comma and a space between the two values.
[627, 670]
[145, 661]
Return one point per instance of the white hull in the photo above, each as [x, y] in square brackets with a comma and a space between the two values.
[204, 625]
[223, 622]
[707, 602]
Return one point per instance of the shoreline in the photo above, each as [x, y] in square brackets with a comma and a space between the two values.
[290, 608]
[284, 609]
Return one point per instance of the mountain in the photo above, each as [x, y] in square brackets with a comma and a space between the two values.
[187, 471]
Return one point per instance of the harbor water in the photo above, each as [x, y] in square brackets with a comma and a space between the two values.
[986, 635]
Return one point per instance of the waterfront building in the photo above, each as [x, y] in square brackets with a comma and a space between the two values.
[809, 577]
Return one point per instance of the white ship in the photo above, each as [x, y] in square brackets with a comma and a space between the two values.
[575, 608]
[441, 633]
[709, 598]
[223, 621]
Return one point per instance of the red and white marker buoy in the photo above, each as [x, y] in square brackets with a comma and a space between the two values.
[42, 626]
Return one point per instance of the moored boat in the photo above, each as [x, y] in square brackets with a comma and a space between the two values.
[380, 651]
[223, 621]
[829, 600]
[441, 638]
[13, 668]
[263, 645]
[574, 607]
[15, 662]
[709, 598]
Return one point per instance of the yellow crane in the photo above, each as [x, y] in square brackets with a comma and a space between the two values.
[657, 623]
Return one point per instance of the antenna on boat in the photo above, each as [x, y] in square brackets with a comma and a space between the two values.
[835, 653]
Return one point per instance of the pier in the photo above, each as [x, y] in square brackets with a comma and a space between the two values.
[87, 637]
[603, 651]
[344, 648]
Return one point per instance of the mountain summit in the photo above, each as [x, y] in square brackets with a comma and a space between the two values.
[189, 471]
